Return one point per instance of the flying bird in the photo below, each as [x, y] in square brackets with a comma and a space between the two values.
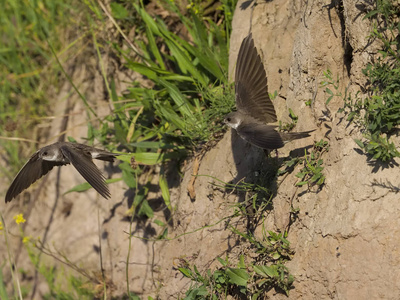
[254, 106]
[61, 154]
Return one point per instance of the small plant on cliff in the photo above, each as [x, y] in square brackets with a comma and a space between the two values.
[377, 113]
[311, 173]
[251, 277]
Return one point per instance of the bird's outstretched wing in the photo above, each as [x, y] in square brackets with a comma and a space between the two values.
[251, 86]
[34, 169]
[261, 135]
[82, 161]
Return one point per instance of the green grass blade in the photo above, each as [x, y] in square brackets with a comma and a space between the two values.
[154, 49]
[179, 99]
[165, 191]
[150, 158]
[86, 186]
[3, 291]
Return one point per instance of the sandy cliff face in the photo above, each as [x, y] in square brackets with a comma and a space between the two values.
[346, 236]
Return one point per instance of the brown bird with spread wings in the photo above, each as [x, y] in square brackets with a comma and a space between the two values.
[253, 104]
[61, 154]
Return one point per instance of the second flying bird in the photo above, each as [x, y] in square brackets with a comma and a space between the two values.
[253, 104]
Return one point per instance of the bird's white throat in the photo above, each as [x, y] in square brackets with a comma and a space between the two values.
[235, 125]
[94, 154]
[54, 157]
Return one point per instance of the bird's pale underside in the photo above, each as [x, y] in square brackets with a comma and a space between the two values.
[254, 106]
[60, 154]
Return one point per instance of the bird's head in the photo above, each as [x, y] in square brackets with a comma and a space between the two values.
[49, 153]
[233, 119]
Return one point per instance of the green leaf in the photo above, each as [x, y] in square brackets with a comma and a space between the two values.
[241, 263]
[150, 72]
[377, 154]
[186, 272]
[129, 179]
[153, 145]
[206, 59]
[183, 59]
[154, 48]
[328, 100]
[86, 186]
[118, 11]
[166, 111]
[140, 196]
[197, 293]
[180, 100]
[133, 296]
[146, 158]
[196, 271]
[359, 143]
[165, 191]
[370, 14]
[146, 210]
[120, 127]
[163, 235]
[274, 95]
[351, 116]
[292, 115]
[222, 262]
[159, 223]
[275, 236]
[126, 166]
[329, 91]
[276, 256]
[71, 139]
[266, 271]
[150, 158]
[153, 72]
[237, 276]
[148, 19]
[114, 95]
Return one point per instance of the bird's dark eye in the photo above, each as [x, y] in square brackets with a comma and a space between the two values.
[45, 153]
[228, 119]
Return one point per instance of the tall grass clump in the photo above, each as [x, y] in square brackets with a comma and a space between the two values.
[185, 90]
[178, 104]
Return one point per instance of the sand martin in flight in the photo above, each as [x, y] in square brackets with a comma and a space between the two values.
[61, 154]
[253, 104]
